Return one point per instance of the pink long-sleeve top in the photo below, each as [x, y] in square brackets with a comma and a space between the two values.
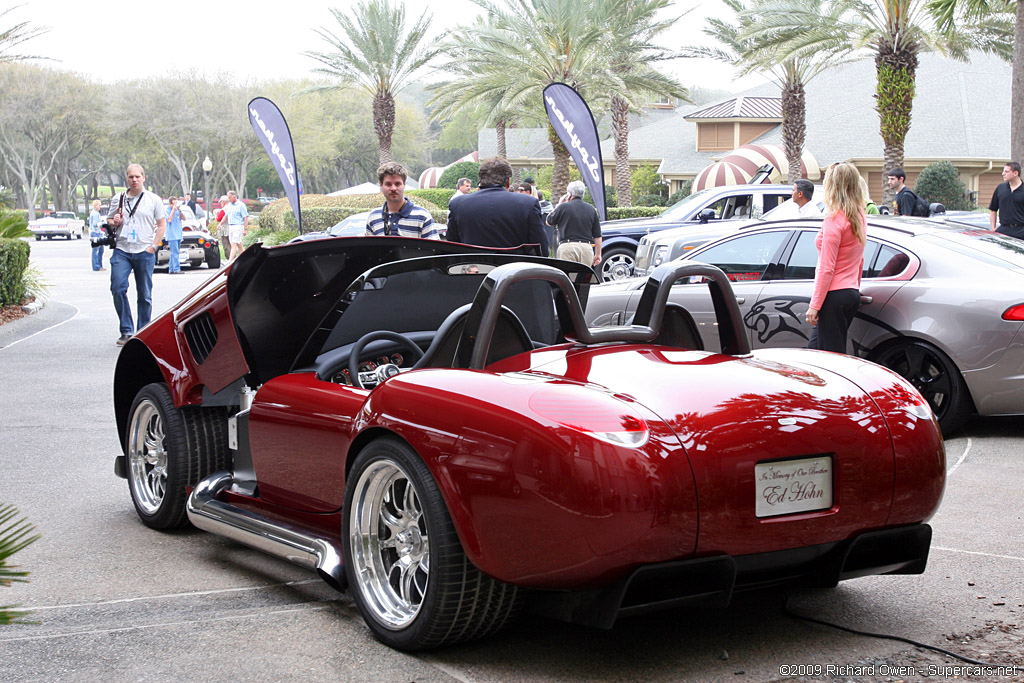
[840, 257]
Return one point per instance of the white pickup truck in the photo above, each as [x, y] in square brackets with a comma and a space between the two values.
[60, 224]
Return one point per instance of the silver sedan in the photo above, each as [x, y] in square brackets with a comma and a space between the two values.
[941, 304]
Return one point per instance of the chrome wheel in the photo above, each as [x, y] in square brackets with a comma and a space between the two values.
[618, 265]
[390, 544]
[147, 457]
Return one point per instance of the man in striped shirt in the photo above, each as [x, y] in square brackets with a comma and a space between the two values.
[399, 217]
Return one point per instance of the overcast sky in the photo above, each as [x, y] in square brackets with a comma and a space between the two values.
[257, 41]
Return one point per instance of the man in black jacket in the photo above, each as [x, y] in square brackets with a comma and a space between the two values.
[494, 217]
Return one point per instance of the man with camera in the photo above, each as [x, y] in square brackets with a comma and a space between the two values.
[135, 226]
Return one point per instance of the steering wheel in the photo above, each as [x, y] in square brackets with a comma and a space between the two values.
[408, 345]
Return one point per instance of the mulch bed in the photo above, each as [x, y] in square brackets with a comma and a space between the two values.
[14, 311]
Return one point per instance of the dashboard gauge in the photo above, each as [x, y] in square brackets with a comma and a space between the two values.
[342, 378]
[367, 366]
[397, 359]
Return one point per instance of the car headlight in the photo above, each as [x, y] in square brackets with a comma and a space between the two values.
[659, 256]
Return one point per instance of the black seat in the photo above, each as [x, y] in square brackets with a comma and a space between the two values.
[509, 338]
[679, 330]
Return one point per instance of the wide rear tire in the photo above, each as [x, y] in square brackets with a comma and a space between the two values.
[406, 569]
[169, 450]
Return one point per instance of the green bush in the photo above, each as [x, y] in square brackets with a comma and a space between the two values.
[611, 196]
[252, 205]
[645, 181]
[682, 193]
[13, 262]
[13, 225]
[463, 169]
[320, 212]
[617, 212]
[940, 182]
[651, 200]
[438, 196]
[15, 534]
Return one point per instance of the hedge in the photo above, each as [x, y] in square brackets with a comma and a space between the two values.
[439, 196]
[617, 212]
[13, 262]
[320, 212]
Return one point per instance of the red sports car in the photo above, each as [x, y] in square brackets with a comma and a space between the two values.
[434, 427]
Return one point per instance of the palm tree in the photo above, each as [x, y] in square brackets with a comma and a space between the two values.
[791, 73]
[949, 13]
[505, 62]
[632, 28]
[15, 534]
[376, 53]
[895, 32]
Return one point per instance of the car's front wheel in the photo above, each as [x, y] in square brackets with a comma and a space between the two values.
[406, 569]
[168, 450]
[934, 375]
[617, 264]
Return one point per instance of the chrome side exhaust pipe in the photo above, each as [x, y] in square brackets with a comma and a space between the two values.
[275, 538]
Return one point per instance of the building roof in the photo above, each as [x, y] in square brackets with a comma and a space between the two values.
[961, 111]
[741, 107]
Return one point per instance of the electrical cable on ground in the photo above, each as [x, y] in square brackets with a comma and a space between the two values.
[968, 660]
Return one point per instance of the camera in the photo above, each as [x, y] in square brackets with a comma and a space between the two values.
[109, 238]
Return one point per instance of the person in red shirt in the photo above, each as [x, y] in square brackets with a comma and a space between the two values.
[840, 243]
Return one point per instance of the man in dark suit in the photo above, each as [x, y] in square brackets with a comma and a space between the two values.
[494, 217]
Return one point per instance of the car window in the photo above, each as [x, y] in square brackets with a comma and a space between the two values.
[746, 257]
[681, 209]
[773, 200]
[804, 258]
[890, 262]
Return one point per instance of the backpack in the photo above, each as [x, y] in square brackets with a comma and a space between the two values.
[920, 206]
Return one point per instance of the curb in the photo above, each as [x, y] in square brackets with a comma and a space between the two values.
[33, 307]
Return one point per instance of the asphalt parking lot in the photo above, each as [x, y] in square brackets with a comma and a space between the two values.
[113, 600]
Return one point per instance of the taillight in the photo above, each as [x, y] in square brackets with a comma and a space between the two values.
[1014, 313]
[589, 412]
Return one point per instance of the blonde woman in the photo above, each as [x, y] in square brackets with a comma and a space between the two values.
[95, 232]
[840, 243]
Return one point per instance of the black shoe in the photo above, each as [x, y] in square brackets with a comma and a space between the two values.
[123, 339]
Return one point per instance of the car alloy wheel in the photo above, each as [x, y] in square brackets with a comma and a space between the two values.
[617, 265]
[391, 543]
[147, 457]
[404, 562]
[934, 375]
[168, 450]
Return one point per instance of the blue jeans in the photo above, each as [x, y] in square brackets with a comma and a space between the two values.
[97, 258]
[121, 266]
[174, 265]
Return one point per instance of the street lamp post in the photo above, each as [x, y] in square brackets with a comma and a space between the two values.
[207, 167]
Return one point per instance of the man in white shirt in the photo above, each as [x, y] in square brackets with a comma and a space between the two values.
[799, 206]
[139, 219]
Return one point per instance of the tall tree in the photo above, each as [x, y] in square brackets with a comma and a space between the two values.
[894, 32]
[633, 26]
[16, 35]
[791, 73]
[377, 54]
[506, 62]
[951, 13]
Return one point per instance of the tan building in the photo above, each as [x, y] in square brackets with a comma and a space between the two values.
[961, 114]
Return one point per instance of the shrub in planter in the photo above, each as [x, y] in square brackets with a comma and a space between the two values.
[13, 262]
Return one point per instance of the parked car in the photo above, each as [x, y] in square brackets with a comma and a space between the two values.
[619, 239]
[347, 227]
[434, 426]
[667, 245]
[197, 245]
[59, 224]
[941, 303]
